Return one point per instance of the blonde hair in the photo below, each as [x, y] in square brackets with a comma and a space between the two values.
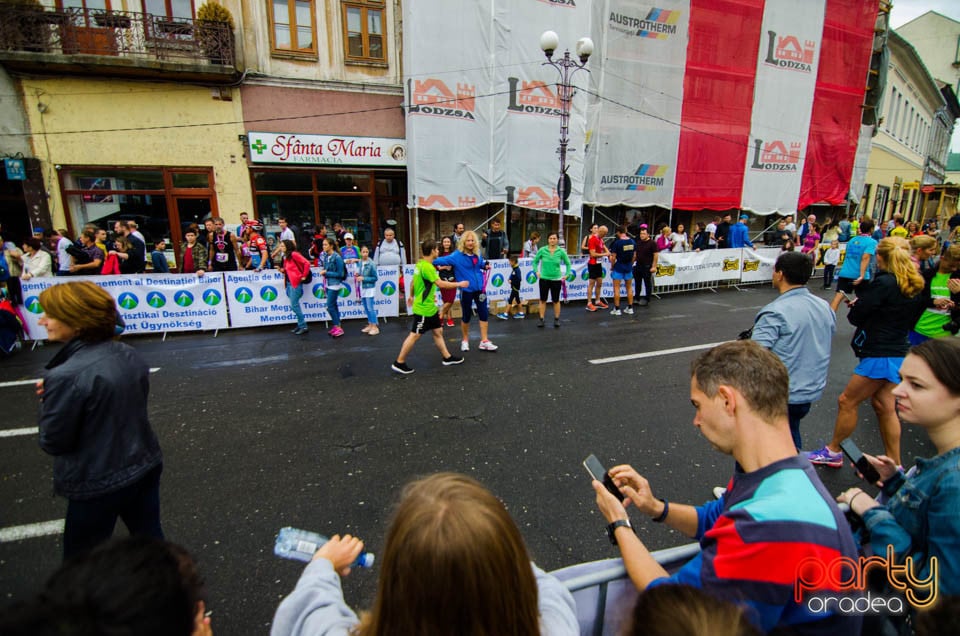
[923, 242]
[454, 562]
[462, 243]
[82, 306]
[896, 260]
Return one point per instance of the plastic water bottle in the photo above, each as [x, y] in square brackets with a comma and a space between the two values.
[301, 545]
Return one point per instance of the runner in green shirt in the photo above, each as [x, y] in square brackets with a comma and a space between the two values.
[549, 258]
[938, 312]
[424, 306]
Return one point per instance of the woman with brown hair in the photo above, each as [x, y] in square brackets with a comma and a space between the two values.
[454, 563]
[93, 420]
[884, 312]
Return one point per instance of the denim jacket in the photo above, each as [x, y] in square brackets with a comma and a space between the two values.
[368, 274]
[920, 519]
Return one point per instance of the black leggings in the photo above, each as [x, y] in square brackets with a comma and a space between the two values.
[551, 288]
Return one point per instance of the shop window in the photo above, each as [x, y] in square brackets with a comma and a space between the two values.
[298, 210]
[333, 182]
[353, 213]
[363, 34]
[293, 27]
[191, 180]
[283, 181]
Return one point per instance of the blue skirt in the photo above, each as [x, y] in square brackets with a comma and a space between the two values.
[880, 369]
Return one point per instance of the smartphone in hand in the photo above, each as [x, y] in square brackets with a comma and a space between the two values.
[863, 464]
[598, 472]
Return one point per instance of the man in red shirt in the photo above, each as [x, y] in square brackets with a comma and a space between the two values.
[598, 250]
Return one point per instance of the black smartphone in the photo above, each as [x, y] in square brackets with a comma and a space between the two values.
[598, 472]
[863, 464]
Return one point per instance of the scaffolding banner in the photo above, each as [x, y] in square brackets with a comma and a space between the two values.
[787, 64]
[686, 104]
[483, 115]
[637, 94]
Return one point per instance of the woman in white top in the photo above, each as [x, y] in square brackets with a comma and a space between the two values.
[36, 262]
[680, 240]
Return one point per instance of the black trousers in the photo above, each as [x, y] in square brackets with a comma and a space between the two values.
[643, 275]
[90, 522]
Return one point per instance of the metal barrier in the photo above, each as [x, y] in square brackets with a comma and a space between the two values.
[605, 596]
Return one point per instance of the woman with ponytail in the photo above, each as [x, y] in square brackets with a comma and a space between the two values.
[884, 312]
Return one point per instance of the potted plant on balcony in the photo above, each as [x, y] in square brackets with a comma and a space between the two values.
[25, 28]
[215, 32]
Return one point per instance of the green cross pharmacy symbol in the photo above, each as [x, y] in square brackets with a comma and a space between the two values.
[259, 146]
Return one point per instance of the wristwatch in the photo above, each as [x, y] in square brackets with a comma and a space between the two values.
[612, 529]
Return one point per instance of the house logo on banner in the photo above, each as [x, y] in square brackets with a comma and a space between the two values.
[532, 98]
[648, 177]
[773, 156]
[659, 24]
[534, 197]
[433, 97]
[440, 202]
[786, 52]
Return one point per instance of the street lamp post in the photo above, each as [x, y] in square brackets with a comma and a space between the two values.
[567, 66]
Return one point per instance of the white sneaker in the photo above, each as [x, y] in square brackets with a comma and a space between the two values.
[615, 312]
[718, 491]
[465, 345]
[486, 345]
[628, 310]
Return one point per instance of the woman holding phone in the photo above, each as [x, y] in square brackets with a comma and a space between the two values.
[884, 312]
[917, 511]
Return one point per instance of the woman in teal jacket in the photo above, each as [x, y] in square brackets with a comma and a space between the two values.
[548, 258]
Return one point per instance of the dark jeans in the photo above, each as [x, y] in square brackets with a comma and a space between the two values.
[795, 413]
[90, 521]
[828, 276]
[643, 275]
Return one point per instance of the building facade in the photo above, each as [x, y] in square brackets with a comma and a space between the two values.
[909, 151]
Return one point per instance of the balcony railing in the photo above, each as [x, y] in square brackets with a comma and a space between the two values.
[117, 34]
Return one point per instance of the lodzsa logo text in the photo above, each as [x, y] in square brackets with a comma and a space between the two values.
[773, 156]
[433, 97]
[532, 98]
[787, 53]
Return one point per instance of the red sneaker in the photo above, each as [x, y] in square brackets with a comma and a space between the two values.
[591, 307]
[601, 304]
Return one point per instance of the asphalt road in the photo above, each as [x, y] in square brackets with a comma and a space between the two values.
[261, 429]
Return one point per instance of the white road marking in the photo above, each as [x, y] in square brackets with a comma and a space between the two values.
[31, 530]
[654, 354]
[4, 385]
[14, 432]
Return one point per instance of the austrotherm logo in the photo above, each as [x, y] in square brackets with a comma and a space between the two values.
[183, 298]
[647, 177]
[128, 300]
[658, 24]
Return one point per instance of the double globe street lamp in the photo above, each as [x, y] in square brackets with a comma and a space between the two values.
[566, 66]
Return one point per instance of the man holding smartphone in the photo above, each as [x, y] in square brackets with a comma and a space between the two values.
[798, 327]
[776, 517]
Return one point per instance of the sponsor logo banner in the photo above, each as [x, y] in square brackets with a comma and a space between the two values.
[687, 268]
[260, 298]
[148, 303]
